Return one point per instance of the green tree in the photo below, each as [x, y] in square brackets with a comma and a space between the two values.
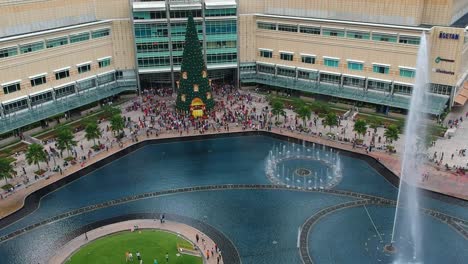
[392, 133]
[331, 120]
[92, 130]
[6, 168]
[277, 108]
[304, 112]
[65, 139]
[36, 154]
[194, 93]
[117, 123]
[360, 127]
[110, 111]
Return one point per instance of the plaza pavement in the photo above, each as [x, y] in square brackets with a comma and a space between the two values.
[440, 180]
[187, 232]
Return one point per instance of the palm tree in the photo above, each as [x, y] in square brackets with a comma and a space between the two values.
[92, 130]
[117, 123]
[304, 112]
[36, 154]
[331, 120]
[6, 169]
[65, 139]
[277, 108]
[360, 127]
[392, 133]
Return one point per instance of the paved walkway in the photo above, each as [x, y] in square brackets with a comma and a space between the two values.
[186, 231]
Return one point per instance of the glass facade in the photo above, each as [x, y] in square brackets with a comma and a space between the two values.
[157, 42]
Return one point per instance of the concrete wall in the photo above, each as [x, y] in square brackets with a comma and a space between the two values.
[28, 16]
[397, 12]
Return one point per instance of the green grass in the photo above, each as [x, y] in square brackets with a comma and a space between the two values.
[151, 244]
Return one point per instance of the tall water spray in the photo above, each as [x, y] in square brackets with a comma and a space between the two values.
[406, 223]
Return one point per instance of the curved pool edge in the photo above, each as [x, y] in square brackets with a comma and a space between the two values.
[178, 225]
[31, 201]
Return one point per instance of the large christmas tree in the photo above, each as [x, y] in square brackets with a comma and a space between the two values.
[194, 94]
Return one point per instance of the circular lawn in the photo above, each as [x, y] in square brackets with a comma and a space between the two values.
[152, 244]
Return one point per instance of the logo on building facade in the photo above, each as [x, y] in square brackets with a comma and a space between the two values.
[444, 71]
[444, 35]
[439, 59]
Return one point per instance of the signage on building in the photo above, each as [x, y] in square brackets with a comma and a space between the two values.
[439, 59]
[444, 35]
[444, 71]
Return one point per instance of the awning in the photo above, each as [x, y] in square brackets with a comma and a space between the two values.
[462, 96]
[461, 100]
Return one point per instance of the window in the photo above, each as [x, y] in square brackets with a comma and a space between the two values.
[8, 52]
[264, 25]
[84, 68]
[11, 88]
[106, 78]
[62, 74]
[221, 58]
[286, 72]
[354, 82]
[15, 106]
[287, 56]
[220, 12]
[384, 37]
[310, 30]
[355, 66]
[51, 43]
[408, 73]
[402, 89]
[31, 47]
[383, 69]
[266, 53]
[41, 98]
[100, 33]
[104, 62]
[266, 69]
[333, 32]
[330, 78]
[64, 91]
[79, 37]
[86, 84]
[185, 13]
[378, 85]
[308, 59]
[288, 28]
[358, 35]
[221, 27]
[331, 62]
[440, 89]
[301, 74]
[409, 40]
[35, 81]
[157, 14]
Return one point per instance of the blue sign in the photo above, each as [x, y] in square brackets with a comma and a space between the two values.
[443, 35]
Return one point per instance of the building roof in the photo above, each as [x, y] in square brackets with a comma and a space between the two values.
[461, 22]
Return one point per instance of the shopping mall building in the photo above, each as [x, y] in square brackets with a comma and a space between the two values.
[58, 55]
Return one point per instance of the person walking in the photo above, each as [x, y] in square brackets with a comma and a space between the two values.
[86, 236]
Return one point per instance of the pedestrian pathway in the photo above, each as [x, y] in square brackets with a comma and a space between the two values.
[188, 232]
